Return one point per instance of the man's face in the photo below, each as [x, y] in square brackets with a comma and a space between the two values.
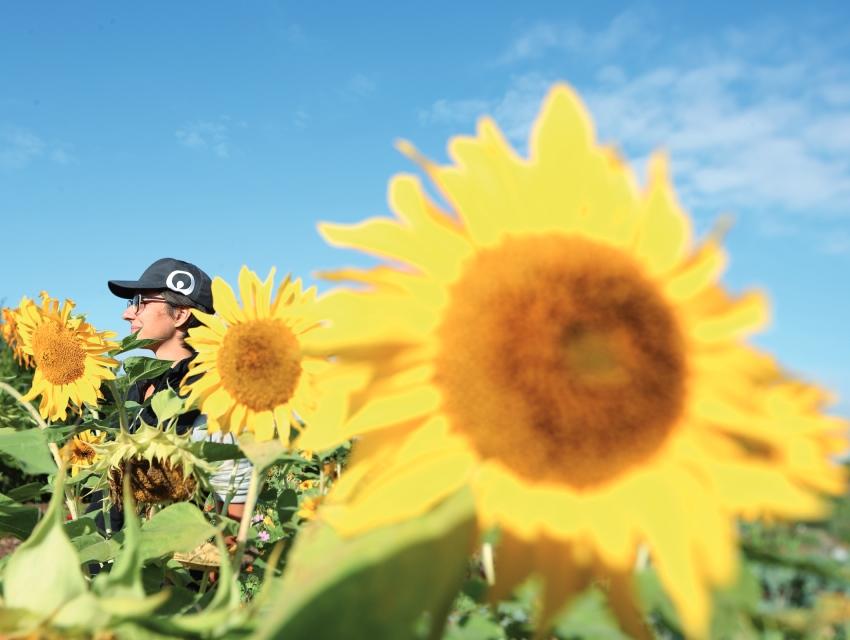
[150, 317]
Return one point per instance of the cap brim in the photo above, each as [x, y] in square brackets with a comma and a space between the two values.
[129, 288]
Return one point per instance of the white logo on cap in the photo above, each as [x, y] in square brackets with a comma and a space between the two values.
[182, 285]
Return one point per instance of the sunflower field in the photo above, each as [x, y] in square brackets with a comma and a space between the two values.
[538, 416]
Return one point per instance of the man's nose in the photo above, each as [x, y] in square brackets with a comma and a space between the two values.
[129, 313]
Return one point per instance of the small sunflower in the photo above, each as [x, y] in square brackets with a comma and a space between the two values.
[79, 452]
[69, 355]
[559, 343]
[255, 373]
[10, 335]
[309, 506]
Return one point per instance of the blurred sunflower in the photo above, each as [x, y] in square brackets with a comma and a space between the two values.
[79, 451]
[69, 355]
[559, 343]
[255, 373]
[9, 332]
[308, 507]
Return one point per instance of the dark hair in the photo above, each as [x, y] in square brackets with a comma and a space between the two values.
[174, 300]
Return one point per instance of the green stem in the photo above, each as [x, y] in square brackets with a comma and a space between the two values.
[256, 484]
[119, 403]
[54, 449]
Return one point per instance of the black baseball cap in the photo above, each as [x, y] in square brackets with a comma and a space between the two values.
[175, 275]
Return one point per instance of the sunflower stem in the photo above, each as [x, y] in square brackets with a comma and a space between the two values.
[257, 477]
[119, 403]
[54, 449]
[487, 563]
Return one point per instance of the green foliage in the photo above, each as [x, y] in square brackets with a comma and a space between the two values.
[143, 368]
[27, 450]
[16, 519]
[352, 588]
[178, 527]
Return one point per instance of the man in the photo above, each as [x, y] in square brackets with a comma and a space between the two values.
[159, 307]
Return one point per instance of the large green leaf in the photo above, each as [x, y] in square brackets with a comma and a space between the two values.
[28, 450]
[166, 404]
[216, 451]
[16, 519]
[142, 368]
[378, 585]
[121, 593]
[178, 527]
[44, 573]
[131, 342]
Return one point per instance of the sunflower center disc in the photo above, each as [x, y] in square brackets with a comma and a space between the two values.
[560, 360]
[81, 453]
[58, 354]
[260, 363]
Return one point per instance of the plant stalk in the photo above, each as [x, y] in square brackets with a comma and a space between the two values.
[54, 449]
[257, 477]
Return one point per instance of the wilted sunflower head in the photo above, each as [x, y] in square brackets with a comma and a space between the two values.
[557, 341]
[162, 464]
[252, 372]
[70, 357]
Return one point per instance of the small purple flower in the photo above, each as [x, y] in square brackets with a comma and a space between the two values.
[257, 517]
[264, 536]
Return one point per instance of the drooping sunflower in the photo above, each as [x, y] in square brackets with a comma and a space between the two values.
[69, 355]
[9, 332]
[255, 373]
[79, 452]
[557, 341]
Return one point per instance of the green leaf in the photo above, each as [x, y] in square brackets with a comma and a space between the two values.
[588, 616]
[216, 451]
[26, 492]
[350, 588]
[28, 450]
[99, 550]
[178, 527]
[286, 505]
[261, 454]
[142, 368]
[166, 405]
[16, 519]
[121, 592]
[475, 627]
[129, 343]
[44, 573]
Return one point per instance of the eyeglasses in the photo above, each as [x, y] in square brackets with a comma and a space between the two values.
[138, 300]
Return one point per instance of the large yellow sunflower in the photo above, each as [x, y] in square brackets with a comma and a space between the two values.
[558, 342]
[69, 355]
[9, 332]
[256, 375]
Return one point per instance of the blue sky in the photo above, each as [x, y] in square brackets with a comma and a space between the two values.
[222, 132]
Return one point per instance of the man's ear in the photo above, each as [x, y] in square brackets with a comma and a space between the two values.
[183, 316]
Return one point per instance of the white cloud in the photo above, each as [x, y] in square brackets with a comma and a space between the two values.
[360, 86]
[301, 119]
[20, 147]
[453, 111]
[544, 38]
[836, 243]
[745, 126]
[208, 135]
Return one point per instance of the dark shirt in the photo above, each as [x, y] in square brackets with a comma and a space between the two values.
[171, 378]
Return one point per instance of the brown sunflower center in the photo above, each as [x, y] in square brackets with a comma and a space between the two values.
[58, 354]
[81, 453]
[260, 363]
[560, 360]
